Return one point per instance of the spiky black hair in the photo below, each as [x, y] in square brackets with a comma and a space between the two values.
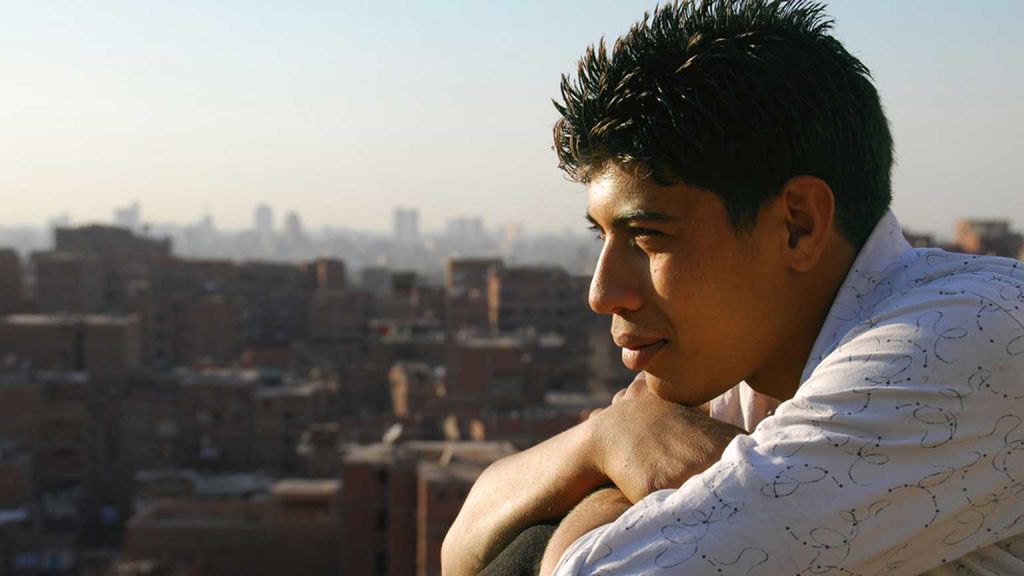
[735, 96]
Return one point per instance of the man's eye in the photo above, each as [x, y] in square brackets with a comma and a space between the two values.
[597, 231]
[642, 234]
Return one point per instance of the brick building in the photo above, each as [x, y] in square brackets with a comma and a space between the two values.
[107, 346]
[51, 416]
[441, 489]
[283, 413]
[217, 420]
[92, 269]
[545, 300]
[416, 388]
[12, 282]
[68, 282]
[466, 287]
[381, 505]
[989, 237]
[150, 433]
[297, 530]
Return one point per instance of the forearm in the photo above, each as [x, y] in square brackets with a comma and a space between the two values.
[535, 485]
[598, 509]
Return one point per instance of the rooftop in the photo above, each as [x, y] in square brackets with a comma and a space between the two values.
[221, 377]
[66, 319]
[23, 378]
[209, 485]
[462, 451]
[302, 389]
[292, 488]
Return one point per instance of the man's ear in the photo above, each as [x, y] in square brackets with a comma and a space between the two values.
[808, 207]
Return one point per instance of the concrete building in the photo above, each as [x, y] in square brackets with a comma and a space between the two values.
[128, 217]
[263, 220]
[406, 226]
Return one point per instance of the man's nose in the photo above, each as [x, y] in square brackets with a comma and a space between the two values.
[615, 286]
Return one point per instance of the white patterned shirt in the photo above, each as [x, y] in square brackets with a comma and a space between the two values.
[902, 451]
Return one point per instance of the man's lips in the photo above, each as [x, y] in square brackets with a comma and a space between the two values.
[637, 352]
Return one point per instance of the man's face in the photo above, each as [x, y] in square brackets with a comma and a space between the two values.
[691, 298]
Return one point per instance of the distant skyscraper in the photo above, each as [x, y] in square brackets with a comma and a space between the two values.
[466, 231]
[62, 220]
[128, 217]
[263, 219]
[293, 225]
[407, 225]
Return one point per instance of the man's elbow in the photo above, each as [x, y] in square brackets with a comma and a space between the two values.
[452, 562]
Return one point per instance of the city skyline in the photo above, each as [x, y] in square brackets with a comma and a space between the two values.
[340, 112]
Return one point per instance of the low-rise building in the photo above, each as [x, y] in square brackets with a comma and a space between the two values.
[381, 503]
[296, 530]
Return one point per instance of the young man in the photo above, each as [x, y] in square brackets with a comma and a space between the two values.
[738, 163]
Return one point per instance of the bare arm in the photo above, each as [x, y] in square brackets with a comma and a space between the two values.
[640, 444]
[645, 444]
[598, 509]
[535, 485]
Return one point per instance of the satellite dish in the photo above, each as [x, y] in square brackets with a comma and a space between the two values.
[393, 434]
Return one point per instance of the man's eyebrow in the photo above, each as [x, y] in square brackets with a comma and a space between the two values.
[625, 218]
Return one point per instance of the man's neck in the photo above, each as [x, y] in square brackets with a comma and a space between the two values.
[810, 300]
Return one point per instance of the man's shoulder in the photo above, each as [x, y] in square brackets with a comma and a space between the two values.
[947, 287]
[938, 318]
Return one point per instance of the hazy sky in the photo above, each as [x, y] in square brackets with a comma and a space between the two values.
[341, 110]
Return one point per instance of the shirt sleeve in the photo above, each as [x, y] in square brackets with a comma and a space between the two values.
[903, 451]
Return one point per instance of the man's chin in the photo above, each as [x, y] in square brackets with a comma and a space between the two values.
[664, 388]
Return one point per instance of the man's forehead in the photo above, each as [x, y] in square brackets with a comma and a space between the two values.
[618, 193]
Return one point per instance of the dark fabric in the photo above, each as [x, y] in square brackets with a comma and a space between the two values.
[522, 557]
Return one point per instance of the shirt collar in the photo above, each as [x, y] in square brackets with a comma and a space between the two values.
[885, 247]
